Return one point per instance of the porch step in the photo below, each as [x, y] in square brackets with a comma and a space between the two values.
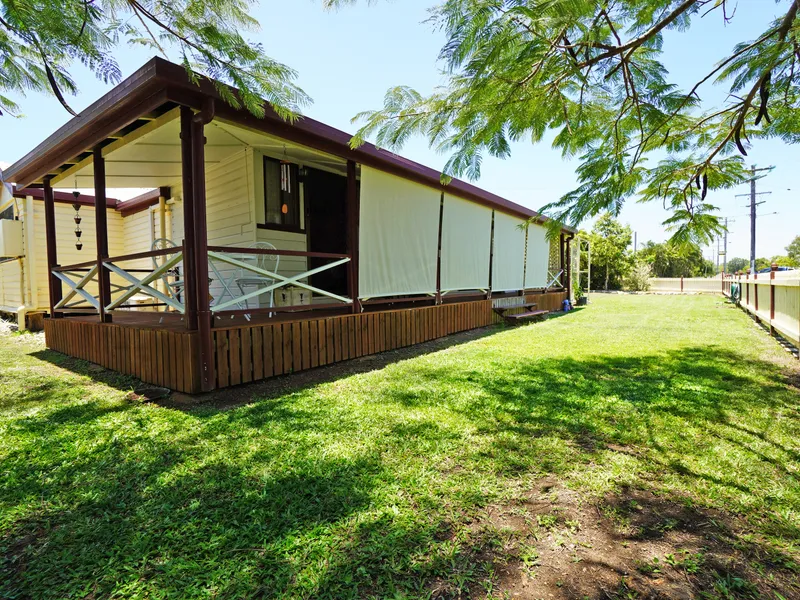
[525, 315]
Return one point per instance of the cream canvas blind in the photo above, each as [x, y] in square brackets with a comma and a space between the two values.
[466, 244]
[398, 236]
[509, 253]
[537, 257]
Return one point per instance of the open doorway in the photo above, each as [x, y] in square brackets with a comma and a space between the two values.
[326, 225]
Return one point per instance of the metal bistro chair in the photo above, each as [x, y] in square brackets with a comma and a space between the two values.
[265, 262]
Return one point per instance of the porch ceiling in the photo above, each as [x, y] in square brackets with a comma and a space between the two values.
[151, 156]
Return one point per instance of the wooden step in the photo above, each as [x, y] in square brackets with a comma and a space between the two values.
[527, 315]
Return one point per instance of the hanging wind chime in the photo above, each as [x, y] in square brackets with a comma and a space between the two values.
[77, 218]
[286, 183]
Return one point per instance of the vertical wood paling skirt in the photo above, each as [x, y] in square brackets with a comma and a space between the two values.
[250, 353]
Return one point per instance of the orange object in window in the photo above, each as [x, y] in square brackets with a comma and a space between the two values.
[285, 208]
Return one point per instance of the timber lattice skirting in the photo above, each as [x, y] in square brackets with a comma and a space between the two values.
[247, 353]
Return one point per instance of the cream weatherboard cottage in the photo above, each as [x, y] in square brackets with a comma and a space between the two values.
[264, 247]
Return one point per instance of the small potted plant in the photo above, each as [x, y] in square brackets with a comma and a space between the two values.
[580, 297]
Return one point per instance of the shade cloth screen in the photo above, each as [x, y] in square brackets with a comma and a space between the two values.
[466, 245]
[509, 253]
[398, 236]
[537, 257]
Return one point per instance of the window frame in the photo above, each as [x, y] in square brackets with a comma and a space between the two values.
[291, 228]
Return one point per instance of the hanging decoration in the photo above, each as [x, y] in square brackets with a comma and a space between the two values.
[286, 183]
[77, 218]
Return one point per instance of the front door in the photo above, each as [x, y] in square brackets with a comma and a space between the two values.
[325, 197]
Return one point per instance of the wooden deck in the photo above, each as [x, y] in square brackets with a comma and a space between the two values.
[168, 356]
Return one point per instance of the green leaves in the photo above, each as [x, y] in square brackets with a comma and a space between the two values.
[592, 74]
[41, 41]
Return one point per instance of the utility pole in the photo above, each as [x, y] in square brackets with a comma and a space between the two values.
[725, 248]
[752, 206]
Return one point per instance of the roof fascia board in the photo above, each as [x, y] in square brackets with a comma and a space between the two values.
[137, 95]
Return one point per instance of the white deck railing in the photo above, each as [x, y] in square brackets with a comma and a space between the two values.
[164, 282]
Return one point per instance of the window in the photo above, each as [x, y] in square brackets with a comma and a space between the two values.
[281, 195]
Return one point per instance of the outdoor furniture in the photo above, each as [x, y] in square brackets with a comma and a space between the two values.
[265, 262]
[503, 305]
[173, 283]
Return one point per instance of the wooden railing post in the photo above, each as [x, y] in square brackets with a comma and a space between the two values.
[101, 233]
[52, 247]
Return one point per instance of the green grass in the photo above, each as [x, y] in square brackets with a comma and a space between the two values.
[370, 485]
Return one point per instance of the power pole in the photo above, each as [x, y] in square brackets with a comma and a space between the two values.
[752, 206]
[753, 220]
[725, 248]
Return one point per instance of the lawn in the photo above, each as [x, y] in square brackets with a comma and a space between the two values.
[647, 446]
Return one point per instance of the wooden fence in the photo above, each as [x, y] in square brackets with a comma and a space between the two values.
[772, 298]
[687, 284]
[248, 353]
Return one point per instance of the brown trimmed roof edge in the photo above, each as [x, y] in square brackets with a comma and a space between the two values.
[159, 81]
[125, 207]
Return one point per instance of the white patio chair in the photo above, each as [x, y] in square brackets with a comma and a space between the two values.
[265, 262]
[172, 280]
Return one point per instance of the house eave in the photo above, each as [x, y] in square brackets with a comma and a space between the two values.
[159, 85]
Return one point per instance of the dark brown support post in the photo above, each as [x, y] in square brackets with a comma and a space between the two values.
[101, 233]
[569, 267]
[52, 247]
[351, 235]
[439, 253]
[491, 258]
[199, 122]
[190, 282]
[681, 283]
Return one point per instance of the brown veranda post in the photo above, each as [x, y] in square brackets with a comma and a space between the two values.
[190, 287]
[52, 247]
[101, 233]
[204, 316]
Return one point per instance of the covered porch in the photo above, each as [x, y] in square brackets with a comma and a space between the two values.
[251, 266]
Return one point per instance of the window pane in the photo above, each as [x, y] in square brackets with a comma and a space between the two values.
[272, 191]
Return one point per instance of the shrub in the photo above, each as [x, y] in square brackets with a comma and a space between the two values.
[638, 279]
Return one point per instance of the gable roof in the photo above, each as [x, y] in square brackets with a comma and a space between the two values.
[159, 85]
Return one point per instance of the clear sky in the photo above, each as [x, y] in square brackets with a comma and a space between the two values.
[348, 58]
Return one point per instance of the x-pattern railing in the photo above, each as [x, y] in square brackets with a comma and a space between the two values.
[77, 277]
[273, 280]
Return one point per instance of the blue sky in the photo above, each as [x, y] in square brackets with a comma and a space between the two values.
[348, 58]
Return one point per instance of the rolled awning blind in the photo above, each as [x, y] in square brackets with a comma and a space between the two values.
[398, 236]
[466, 242]
[508, 261]
[537, 257]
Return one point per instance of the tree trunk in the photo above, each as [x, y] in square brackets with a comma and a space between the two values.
[606, 277]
